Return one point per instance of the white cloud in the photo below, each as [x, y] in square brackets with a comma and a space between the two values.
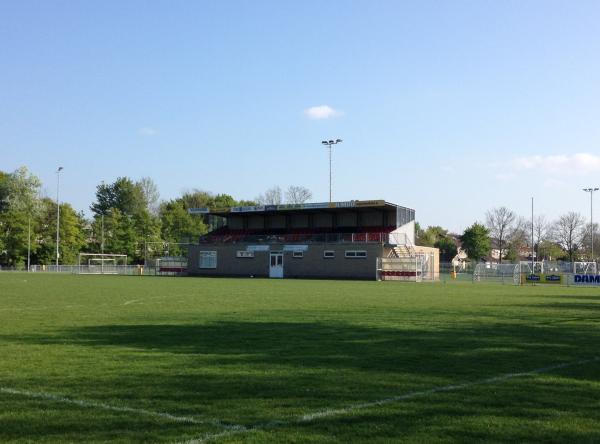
[580, 163]
[147, 131]
[554, 183]
[321, 112]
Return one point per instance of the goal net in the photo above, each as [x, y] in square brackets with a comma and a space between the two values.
[93, 263]
[538, 267]
[585, 268]
[502, 273]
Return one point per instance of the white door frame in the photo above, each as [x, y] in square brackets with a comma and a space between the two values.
[276, 264]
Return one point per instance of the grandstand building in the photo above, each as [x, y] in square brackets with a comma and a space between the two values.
[337, 240]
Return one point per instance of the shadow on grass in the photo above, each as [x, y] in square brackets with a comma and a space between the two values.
[571, 306]
[485, 348]
[249, 372]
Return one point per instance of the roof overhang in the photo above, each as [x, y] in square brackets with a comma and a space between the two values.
[329, 207]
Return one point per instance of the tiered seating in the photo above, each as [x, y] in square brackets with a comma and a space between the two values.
[342, 234]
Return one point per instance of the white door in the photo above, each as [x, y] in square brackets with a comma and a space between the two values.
[276, 265]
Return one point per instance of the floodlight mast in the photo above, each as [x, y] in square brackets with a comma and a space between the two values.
[591, 191]
[57, 213]
[329, 143]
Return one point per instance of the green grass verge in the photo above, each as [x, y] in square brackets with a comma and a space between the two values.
[263, 353]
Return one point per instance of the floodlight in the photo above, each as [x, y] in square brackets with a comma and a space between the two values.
[329, 143]
[591, 191]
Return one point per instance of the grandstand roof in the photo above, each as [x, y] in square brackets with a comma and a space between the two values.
[354, 205]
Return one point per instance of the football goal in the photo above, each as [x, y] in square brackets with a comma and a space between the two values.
[503, 273]
[95, 263]
[538, 267]
[585, 268]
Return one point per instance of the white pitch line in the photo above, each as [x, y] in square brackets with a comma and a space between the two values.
[446, 388]
[310, 417]
[133, 301]
[115, 408]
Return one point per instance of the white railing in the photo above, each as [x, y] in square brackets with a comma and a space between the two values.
[131, 270]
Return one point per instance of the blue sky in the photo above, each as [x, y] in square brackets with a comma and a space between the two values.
[450, 108]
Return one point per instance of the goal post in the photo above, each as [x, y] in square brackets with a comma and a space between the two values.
[98, 263]
[585, 268]
[501, 273]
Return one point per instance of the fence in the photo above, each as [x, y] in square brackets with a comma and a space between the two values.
[128, 270]
[418, 268]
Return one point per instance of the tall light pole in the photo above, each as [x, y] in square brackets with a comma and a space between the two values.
[532, 241]
[591, 191]
[57, 212]
[328, 144]
[29, 243]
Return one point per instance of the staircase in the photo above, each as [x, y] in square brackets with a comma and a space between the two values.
[402, 251]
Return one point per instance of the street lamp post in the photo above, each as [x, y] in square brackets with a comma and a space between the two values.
[591, 191]
[329, 143]
[57, 213]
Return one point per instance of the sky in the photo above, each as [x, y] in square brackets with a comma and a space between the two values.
[451, 108]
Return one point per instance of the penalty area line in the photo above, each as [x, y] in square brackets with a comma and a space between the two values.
[311, 417]
[116, 408]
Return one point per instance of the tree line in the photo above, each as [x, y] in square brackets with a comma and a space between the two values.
[127, 217]
[507, 237]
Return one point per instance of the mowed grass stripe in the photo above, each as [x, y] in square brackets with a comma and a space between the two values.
[352, 409]
[253, 351]
[115, 408]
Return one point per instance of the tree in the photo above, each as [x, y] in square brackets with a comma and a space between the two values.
[550, 250]
[429, 237]
[14, 234]
[19, 205]
[568, 232]
[500, 222]
[128, 222]
[150, 194]
[24, 189]
[4, 191]
[222, 201]
[476, 241]
[123, 194]
[196, 199]
[447, 247]
[271, 197]
[72, 234]
[518, 241]
[587, 240]
[179, 226]
[297, 194]
[541, 230]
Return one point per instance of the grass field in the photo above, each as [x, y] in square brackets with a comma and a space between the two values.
[130, 359]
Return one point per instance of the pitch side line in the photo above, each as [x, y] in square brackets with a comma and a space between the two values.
[310, 417]
[115, 408]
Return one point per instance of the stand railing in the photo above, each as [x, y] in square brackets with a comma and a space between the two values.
[380, 238]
